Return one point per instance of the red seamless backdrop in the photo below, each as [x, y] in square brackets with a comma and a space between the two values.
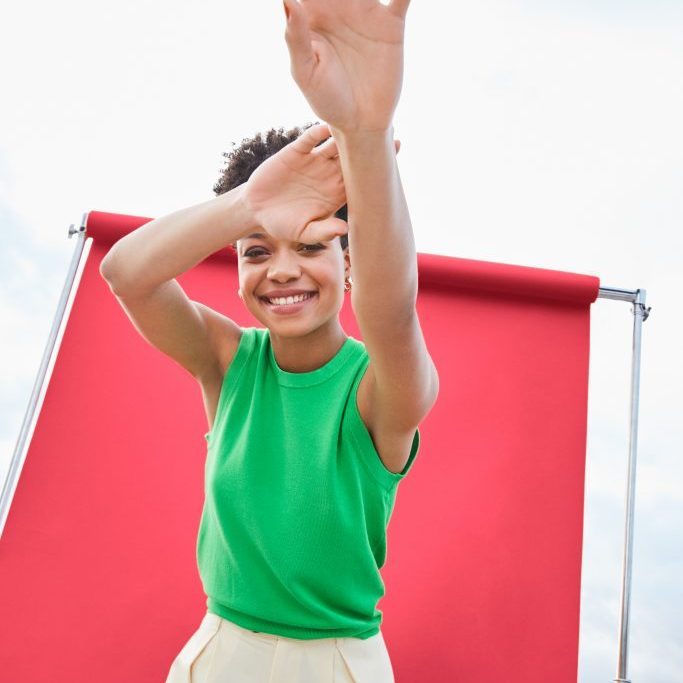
[483, 572]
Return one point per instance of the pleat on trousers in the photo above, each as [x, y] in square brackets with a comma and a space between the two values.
[220, 651]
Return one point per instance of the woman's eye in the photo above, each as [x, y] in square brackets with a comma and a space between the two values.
[254, 252]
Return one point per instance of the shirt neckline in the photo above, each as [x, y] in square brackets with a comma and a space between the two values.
[305, 379]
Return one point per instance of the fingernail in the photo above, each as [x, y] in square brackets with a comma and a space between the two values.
[286, 10]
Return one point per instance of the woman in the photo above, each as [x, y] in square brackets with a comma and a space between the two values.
[310, 430]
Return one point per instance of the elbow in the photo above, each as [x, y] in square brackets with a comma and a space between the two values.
[112, 272]
[435, 384]
[106, 268]
[109, 270]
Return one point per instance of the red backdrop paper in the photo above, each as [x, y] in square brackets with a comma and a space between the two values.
[483, 572]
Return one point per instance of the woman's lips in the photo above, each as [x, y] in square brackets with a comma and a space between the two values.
[286, 309]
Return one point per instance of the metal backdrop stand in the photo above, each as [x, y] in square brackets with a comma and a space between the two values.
[17, 460]
[637, 297]
[640, 315]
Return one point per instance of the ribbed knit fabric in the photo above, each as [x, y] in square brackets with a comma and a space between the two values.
[297, 500]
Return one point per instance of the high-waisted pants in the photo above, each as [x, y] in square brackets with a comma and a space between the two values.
[220, 651]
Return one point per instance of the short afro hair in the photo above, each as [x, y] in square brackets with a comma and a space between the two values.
[243, 161]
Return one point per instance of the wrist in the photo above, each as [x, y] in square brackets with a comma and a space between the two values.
[363, 136]
[241, 211]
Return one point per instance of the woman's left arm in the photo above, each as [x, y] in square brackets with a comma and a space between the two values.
[384, 274]
[347, 59]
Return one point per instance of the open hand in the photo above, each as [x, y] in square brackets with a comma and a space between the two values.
[294, 194]
[347, 58]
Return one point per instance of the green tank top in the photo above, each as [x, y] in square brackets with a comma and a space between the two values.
[297, 501]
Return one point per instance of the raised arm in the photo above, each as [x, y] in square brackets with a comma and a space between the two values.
[347, 59]
[166, 247]
[141, 268]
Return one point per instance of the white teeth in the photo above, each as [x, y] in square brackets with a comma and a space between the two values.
[281, 301]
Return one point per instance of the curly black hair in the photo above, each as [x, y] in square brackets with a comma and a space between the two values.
[243, 161]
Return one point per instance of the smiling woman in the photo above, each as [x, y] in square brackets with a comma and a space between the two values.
[310, 432]
[296, 291]
[263, 389]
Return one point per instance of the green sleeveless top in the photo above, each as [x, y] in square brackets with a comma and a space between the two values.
[297, 501]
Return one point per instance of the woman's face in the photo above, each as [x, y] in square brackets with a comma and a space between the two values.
[265, 265]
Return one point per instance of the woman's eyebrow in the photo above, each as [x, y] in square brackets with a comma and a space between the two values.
[260, 235]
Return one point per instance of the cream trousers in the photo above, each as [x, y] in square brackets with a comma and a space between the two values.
[220, 651]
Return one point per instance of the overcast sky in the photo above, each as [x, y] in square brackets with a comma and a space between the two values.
[537, 133]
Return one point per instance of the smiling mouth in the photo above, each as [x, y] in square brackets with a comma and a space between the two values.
[285, 306]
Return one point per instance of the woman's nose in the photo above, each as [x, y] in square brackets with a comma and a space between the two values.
[284, 265]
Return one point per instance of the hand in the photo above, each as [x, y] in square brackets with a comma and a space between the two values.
[294, 194]
[347, 59]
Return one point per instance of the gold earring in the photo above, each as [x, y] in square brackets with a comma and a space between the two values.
[347, 284]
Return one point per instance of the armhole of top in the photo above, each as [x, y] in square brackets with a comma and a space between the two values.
[363, 441]
[232, 373]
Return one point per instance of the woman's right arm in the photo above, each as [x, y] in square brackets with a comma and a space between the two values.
[141, 269]
[291, 195]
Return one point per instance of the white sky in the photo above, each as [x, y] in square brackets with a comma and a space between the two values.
[544, 134]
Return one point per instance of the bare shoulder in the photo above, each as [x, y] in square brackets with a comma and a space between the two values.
[224, 335]
[393, 449]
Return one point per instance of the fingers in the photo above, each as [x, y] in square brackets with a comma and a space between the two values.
[325, 230]
[311, 137]
[328, 148]
[399, 7]
[298, 37]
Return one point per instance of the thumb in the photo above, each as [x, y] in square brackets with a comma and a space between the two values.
[324, 230]
[298, 37]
